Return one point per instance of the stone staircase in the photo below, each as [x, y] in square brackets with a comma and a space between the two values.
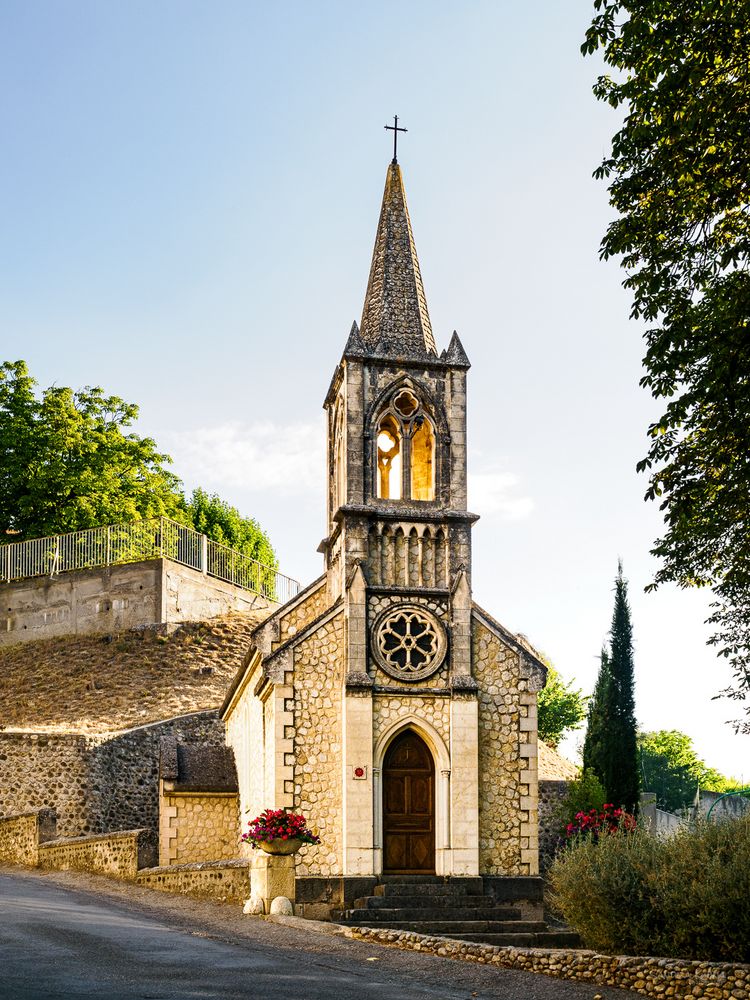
[458, 908]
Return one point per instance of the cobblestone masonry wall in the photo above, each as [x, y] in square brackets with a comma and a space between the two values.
[225, 881]
[551, 794]
[496, 669]
[95, 784]
[652, 977]
[119, 854]
[387, 709]
[304, 613]
[318, 679]
[201, 827]
[20, 836]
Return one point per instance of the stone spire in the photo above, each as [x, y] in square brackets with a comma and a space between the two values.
[395, 321]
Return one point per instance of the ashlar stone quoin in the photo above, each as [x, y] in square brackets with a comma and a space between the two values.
[381, 701]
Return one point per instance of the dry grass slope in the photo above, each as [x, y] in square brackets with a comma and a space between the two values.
[95, 684]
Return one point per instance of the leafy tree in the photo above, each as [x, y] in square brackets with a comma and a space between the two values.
[223, 523]
[561, 707]
[671, 767]
[67, 462]
[677, 174]
[595, 741]
[611, 751]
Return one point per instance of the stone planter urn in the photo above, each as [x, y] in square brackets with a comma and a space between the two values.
[279, 846]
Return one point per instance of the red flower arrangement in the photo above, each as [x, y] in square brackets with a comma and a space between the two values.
[594, 823]
[278, 824]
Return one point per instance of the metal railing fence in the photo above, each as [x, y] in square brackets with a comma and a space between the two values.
[155, 538]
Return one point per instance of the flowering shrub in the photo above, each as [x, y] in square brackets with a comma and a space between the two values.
[278, 824]
[596, 821]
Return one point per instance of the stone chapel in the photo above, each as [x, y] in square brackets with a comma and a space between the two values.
[381, 702]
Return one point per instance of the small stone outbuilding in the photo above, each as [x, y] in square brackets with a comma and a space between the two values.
[198, 804]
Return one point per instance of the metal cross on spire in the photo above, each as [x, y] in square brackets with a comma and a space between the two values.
[395, 129]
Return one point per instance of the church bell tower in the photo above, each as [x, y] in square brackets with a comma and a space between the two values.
[380, 701]
[398, 550]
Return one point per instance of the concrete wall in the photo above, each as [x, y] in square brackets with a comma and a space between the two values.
[94, 784]
[112, 599]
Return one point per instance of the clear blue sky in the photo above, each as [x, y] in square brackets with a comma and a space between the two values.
[188, 196]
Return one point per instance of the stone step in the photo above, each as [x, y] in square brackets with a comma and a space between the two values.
[540, 939]
[460, 928]
[394, 918]
[449, 901]
[419, 887]
[509, 888]
[431, 880]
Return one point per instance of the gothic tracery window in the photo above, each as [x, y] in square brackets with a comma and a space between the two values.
[405, 450]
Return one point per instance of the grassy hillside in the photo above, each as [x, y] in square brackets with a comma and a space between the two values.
[93, 684]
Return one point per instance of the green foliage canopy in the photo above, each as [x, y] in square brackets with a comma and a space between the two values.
[223, 523]
[67, 461]
[678, 179]
[671, 767]
[561, 708]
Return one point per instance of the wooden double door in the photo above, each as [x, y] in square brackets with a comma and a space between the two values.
[408, 807]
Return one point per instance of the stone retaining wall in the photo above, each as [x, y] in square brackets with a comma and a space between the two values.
[653, 977]
[95, 783]
[20, 836]
[226, 881]
[119, 854]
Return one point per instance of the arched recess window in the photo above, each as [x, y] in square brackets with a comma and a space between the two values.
[423, 460]
[390, 472]
[405, 450]
[339, 457]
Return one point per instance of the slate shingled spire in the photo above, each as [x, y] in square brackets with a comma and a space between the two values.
[395, 321]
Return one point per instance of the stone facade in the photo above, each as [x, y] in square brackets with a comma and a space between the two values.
[112, 599]
[317, 738]
[94, 784]
[388, 646]
[199, 826]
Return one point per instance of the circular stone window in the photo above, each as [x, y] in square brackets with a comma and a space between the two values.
[409, 643]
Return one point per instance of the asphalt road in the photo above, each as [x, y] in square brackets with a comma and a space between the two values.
[59, 940]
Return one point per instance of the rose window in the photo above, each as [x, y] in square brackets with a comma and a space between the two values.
[409, 643]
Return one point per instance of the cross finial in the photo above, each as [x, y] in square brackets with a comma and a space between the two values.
[395, 129]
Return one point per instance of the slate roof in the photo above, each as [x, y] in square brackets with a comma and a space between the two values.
[197, 767]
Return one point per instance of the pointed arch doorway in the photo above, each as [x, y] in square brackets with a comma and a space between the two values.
[408, 807]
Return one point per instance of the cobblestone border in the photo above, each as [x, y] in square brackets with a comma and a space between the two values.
[652, 977]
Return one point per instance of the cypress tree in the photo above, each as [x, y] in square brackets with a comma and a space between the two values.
[610, 749]
[594, 744]
[621, 755]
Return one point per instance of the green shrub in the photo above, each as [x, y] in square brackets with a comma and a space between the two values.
[637, 894]
[582, 795]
